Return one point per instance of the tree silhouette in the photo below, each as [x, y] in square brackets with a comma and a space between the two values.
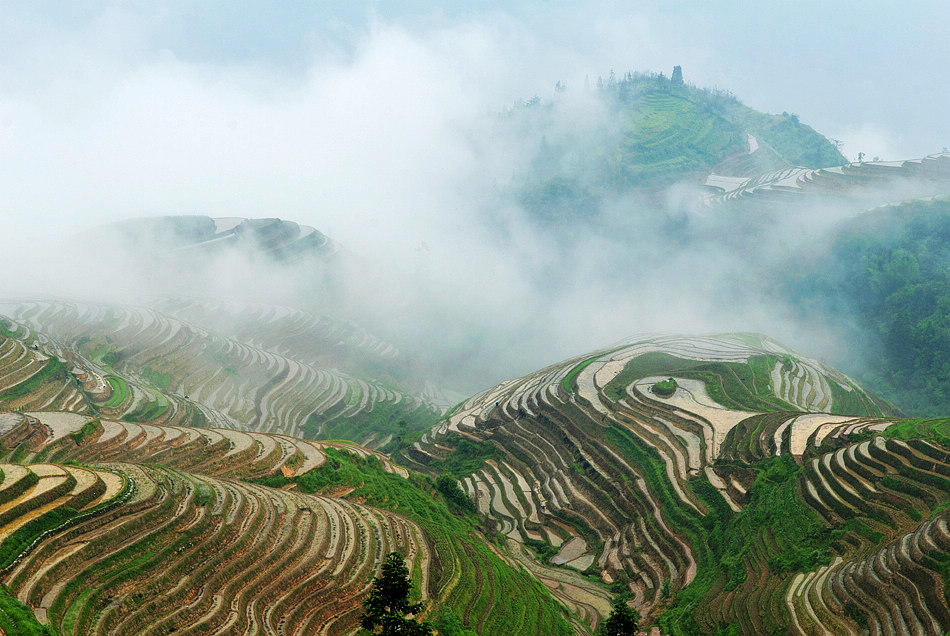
[388, 602]
[622, 621]
[677, 78]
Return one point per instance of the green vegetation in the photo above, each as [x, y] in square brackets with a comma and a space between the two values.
[491, 597]
[53, 371]
[158, 379]
[449, 488]
[468, 456]
[622, 621]
[847, 402]
[387, 418]
[148, 410]
[100, 352]
[25, 535]
[706, 535]
[542, 549]
[449, 624]
[387, 605]
[665, 388]
[885, 281]
[735, 385]
[120, 391]
[566, 383]
[774, 515]
[657, 132]
[5, 330]
[91, 428]
[16, 619]
[937, 429]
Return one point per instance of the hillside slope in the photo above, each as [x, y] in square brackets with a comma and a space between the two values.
[174, 528]
[713, 481]
[884, 277]
[240, 365]
[649, 134]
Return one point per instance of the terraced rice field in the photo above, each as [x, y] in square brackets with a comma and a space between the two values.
[625, 484]
[278, 372]
[61, 437]
[30, 378]
[712, 480]
[789, 184]
[146, 549]
[197, 539]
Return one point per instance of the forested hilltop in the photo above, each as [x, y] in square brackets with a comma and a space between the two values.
[654, 131]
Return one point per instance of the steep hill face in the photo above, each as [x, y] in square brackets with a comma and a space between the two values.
[883, 276]
[722, 480]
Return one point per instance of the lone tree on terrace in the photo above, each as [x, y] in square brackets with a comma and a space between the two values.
[622, 621]
[388, 603]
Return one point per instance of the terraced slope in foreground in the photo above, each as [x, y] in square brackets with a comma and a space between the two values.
[713, 481]
[714, 498]
[278, 372]
[181, 551]
[178, 528]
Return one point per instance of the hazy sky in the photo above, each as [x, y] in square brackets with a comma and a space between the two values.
[112, 109]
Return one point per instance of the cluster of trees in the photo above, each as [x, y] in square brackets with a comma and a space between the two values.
[885, 282]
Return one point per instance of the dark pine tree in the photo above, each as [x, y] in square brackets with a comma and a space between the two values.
[622, 621]
[385, 610]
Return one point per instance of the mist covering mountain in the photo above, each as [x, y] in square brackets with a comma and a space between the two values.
[562, 343]
[643, 204]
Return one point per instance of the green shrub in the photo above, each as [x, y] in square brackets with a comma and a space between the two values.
[665, 388]
[453, 494]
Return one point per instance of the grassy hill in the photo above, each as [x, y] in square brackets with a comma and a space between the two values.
[653, 134]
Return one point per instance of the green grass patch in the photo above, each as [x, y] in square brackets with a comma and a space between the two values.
[853, 402]
[937, 429]
[91, 428]
[147, 411]
[158, 379]
[566, 383]
[16, 619]
[5, 330]
[119, 392]
[468, 457]
[665, 388]
[387, 418]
